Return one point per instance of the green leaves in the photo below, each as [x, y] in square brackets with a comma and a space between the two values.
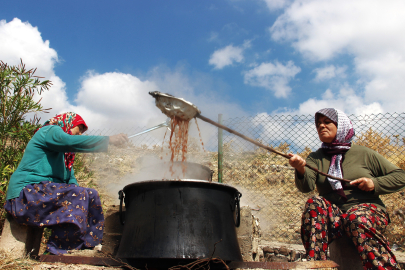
[17, 89]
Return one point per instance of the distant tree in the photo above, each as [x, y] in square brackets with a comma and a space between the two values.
[392, 149]
[17, 88]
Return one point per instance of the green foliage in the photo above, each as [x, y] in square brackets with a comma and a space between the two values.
[17, 88]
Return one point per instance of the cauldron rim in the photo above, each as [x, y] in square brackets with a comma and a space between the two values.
[178, 181]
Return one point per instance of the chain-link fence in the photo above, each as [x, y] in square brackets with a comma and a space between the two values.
[265, 179]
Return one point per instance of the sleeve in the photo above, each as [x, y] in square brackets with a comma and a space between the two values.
[307, 182]
[388, 177]
[72, 179]
[57, 140]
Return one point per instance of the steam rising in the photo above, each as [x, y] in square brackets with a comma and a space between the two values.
[153, 168]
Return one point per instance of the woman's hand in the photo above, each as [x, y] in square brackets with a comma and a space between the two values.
[118, 139]
[298, 163]
[363, 183]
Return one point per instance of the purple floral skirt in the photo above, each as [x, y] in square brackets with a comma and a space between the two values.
[73, 213]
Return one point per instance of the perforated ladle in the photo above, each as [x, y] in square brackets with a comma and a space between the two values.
[178, 107]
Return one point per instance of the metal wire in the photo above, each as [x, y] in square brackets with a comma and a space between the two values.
[265, 179]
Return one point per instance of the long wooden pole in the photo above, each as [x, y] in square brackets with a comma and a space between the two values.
[264, 146]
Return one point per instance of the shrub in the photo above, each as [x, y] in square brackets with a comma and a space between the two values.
[17, 89]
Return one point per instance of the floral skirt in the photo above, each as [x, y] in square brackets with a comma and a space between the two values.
[73, 213]
[364, 224]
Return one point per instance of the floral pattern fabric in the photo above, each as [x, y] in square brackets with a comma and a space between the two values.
[322, 222]
[73, 213]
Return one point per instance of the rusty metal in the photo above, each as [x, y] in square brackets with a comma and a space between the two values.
[284, 265]
[99, 261]
[105, 261]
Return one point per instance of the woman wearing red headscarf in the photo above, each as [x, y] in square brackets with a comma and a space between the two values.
[353, 208]
[43, 190]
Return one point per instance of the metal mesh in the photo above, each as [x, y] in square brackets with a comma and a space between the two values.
[266, 180]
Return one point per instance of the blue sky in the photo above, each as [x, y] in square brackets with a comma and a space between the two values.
[236, 57]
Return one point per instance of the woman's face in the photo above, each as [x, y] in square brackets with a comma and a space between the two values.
[77, 130]
[326, 129]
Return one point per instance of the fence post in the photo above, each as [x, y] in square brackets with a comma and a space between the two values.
[220, 153]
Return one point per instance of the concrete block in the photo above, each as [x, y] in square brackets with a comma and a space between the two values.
[246, 219]
[112, 223]
[343, 252]
[19, 240]
[111, 243]
[112, 230]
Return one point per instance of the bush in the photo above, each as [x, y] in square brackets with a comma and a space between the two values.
[17, 88]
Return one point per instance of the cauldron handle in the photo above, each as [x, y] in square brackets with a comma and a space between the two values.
[121, 197]
[237, 199]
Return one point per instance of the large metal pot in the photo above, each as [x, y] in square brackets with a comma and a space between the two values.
[186, 219]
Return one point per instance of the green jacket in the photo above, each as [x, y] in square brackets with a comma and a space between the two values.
[358, 162]
[44, 158]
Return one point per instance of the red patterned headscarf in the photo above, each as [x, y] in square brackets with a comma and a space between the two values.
[67, 121]
[339, 146]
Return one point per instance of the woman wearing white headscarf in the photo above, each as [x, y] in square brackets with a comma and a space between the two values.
[353, 208]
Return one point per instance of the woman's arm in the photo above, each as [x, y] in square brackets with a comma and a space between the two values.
[57, 140]
[388, 177]
[304, 179]
[372, 172]
[298, 163]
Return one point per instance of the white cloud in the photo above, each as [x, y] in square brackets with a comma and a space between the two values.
[21, 41]
[226, 56]
[114, 102]
[329, 72]
[370, 32]
[274, 77]
[346, 100]
[276, 4]
[121, 99]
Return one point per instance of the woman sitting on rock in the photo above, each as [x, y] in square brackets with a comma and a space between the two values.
[43, 191]
[353, 208]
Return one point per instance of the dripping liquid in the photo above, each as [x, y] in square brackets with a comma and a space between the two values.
[178, 142]
[199, 133]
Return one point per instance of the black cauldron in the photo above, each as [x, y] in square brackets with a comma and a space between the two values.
[185, 219]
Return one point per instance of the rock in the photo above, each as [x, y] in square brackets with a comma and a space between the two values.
[268, 250]
[278, 259]
[284, 251]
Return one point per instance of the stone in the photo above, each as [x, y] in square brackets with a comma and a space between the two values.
[284, 251]
[245, 245]
[293, 256]
[112, 223]
[278, 259]
[268, 250]
[343, 252]
[245, 234]
[19, 241]
[113, 229]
